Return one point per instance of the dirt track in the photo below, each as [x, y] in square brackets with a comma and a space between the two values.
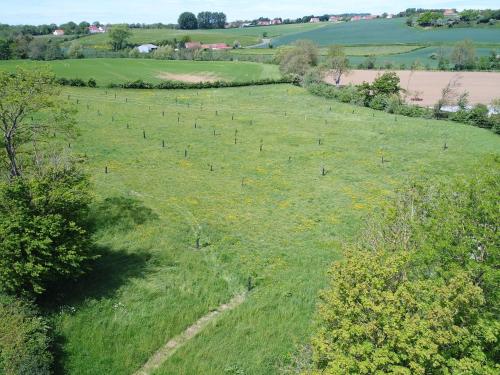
[482, 87]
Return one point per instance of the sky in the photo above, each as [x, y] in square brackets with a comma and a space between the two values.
[167, 11]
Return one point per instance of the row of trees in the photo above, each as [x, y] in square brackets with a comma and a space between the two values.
[27, 47]
[70, 28]
[437, 18]
[205, 20]
[45, 234]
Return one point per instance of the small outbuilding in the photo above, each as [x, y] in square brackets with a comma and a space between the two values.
[146, 48]
[58, 32]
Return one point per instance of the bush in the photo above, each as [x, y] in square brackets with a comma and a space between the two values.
[378, 102]
[176, 85]
[43, 231]
[24, 344]
[164, 53]
[418, 295]
[76, 82]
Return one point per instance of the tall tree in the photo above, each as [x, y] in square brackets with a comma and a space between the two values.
[5, 52]
[337, 62]
[298, 59]
[29, 111]
[44, 233]
[464, 55]
[119, 36]
[188, 21]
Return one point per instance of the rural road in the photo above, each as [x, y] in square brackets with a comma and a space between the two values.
[263, 44]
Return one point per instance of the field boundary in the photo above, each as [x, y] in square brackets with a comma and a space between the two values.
[167, 350]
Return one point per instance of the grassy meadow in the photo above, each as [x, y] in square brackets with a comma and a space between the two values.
[106, 71]
[240, 174]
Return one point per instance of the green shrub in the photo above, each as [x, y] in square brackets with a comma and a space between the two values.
[24, 343]
[43, 230]
[478, 116]
[378, 102]
[418, 294]
[179, 85]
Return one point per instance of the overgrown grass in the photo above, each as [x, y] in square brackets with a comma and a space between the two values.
[269, 215]
[106, 71]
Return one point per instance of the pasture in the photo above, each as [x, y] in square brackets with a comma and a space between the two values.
[390, 31]
[106, 71]
[209, 193]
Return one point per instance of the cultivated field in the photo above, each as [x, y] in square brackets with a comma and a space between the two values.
[482, 87]
[255, 186]
[106, 71]
[420, 55]
[390, 31]
[246, 36]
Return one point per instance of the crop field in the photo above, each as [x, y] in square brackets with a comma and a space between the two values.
[246, 36]
[421, 55]
[349, 50]
[209, 193]
[106, 71]
[390, 31]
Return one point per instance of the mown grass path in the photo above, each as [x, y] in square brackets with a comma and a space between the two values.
[172, 345]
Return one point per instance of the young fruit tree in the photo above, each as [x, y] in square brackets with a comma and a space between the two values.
[337, 63]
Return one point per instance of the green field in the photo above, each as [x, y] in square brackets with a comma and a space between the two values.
[106, 71]
[390, 31]
[349, 50]
[265, 213]
[422, 55]
[246, 36]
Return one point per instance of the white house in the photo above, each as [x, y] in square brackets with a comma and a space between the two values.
[146, 48]
[314, 20]
[58, 32]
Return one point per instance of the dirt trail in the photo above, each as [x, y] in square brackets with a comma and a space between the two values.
[156, 360]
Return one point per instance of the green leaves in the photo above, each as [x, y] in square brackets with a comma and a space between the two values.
[43, 233]
[418, 295]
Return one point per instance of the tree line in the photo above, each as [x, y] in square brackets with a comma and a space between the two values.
[204, 20]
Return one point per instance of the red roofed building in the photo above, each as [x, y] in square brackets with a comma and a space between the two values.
[216, 46]
[193, 45]
[93, 29]
[58, 32]
[450, 13]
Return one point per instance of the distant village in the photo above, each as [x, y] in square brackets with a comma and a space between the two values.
[97, 28]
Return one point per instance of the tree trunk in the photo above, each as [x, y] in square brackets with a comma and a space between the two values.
[11, 154]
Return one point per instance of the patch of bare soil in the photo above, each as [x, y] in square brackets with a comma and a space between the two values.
[189, 78]
[172, 345]
[424, 87]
